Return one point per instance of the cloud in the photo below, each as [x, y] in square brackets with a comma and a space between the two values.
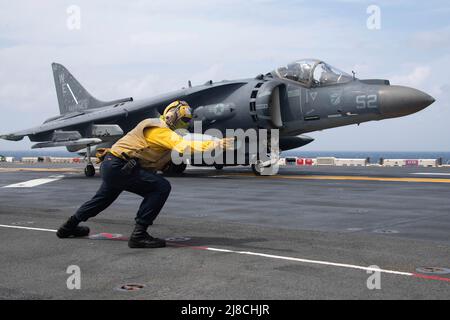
[416, 78]
[436, 39]
[143, 48]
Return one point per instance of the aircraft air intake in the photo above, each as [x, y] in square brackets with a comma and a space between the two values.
[268, 105]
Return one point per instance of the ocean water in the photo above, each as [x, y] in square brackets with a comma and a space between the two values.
[373, 155]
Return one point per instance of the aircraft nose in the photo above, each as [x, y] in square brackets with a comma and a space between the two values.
[397, 101]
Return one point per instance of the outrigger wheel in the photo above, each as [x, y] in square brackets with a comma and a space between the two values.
[89, 171]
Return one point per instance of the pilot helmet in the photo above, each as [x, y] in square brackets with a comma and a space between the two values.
[177, 115]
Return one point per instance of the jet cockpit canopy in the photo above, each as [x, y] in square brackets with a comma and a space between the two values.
[312, 73]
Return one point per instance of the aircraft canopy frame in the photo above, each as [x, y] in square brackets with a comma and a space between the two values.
[313, 73]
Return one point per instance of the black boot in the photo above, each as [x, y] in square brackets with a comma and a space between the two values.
[72, 229]
[141, 239]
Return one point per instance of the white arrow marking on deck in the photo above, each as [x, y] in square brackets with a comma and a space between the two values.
[34, 182]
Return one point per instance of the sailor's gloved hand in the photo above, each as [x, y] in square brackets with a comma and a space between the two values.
[101, 154]
[227, 143]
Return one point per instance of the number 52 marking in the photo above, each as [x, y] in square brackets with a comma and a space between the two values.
[367, 101]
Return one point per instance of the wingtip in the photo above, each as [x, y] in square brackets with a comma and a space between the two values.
[11, 137]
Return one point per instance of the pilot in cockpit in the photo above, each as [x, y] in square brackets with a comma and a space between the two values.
[305, 71]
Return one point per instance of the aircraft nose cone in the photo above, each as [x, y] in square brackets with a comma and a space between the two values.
[397, 101]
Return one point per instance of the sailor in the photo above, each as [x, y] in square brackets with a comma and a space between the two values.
[132, 164]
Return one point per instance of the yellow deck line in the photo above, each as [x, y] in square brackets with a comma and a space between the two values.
[298, 177]
[349, 178]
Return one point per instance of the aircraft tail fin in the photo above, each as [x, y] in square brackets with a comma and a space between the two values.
[72, 96]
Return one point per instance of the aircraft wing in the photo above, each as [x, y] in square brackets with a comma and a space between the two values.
[74, 129]
[12, 137]
[113, 114]
[82, 128]
[64, 123]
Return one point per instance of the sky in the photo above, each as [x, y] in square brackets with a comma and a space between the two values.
[142, 48]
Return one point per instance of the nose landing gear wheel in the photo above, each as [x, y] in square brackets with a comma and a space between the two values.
[267, 168]
[89, 171]
[256, 168]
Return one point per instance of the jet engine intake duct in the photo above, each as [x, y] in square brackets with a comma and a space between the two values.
[268, 105]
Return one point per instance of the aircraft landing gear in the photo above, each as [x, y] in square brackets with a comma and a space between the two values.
[218, 166]
[257, 168]
[89, 171]
[267, 168]
[174, 169]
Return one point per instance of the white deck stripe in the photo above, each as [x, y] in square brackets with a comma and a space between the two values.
[34, 182]
[333, 264]
[270, 256]
[27, 228]
[432, 174]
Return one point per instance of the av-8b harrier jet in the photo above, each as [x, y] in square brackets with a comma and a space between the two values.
[304, 96]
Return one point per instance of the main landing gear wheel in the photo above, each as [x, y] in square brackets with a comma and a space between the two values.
[218, 166]
[89, 171]
[175, 169]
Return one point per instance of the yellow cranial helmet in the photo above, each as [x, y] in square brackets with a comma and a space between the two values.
[177, 115]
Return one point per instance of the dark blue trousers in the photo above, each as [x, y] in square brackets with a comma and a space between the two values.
[152, 187]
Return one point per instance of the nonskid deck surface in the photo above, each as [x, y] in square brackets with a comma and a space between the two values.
[308, 233]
